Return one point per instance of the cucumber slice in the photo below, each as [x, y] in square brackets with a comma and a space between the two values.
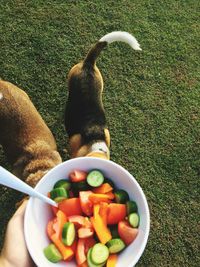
[131, 207]
[114, 231]
[134, 220]
[68, 233]
[99, 254]
[115, 245]
[95, 178]
[63, 183]
[52, 254]
[89, 261]
[58, 194]
[121, 196]
[59, 199]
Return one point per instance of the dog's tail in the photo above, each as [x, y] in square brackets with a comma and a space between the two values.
[107, 39]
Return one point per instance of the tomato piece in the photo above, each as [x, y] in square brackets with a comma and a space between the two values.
[54, 209]
[77, 176]
[88, 223]
[70, 206]
[73, 246]
[116, 213]
[85, 232]
[80, 252]
[84, 244]
[78, 220]
[89, 242]
[126, 232]
[86, 204]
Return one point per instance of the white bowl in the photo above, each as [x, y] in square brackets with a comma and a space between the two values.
[38, 213]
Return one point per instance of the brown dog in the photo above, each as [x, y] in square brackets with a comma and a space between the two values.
[27, 141]
[85, 119]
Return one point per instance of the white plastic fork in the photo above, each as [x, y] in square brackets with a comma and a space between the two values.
[10, 180]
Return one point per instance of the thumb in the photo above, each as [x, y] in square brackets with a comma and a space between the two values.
[21, 209]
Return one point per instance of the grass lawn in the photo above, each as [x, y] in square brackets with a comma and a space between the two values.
[151, 98]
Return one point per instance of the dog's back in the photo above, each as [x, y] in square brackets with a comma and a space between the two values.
[20, 123]
[84, 110]
[27, 141]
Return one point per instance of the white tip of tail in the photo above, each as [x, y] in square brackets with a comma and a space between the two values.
[1, 96]
[121, 37]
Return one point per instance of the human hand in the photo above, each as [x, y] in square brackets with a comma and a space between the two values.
[14, 252]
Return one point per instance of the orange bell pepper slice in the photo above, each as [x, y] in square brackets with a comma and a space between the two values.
[73, 247]
[60, 220]
[97, 198]
[66, 251]
[83, 264]
[100, 227]
[110, 195]
[103, 189]
[103, 211]
[96, 209]
[112, 260]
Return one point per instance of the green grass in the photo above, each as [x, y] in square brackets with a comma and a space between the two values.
[151, 98]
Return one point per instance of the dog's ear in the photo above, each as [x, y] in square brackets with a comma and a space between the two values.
[107, 136]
